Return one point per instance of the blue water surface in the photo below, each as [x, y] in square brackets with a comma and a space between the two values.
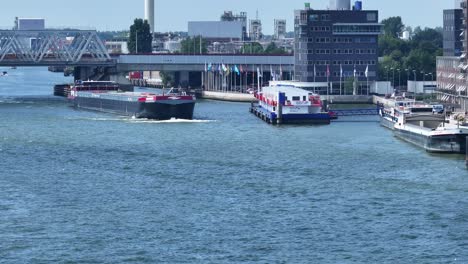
[87, 187]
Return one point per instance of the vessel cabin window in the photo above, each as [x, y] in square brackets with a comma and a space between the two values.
[304, 98]
[419, 110]
[296, 98]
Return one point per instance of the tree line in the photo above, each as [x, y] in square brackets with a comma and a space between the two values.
[416, 56]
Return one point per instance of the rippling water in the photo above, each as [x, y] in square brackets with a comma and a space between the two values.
[86, 187]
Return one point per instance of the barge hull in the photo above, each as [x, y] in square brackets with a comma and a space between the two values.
[385, 122]
[290, 119]
[444, 144]
[163, 110]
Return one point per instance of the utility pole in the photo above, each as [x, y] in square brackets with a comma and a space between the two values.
[200, 44]
[424, 81]
[136, 41]
[386, 69]
[399, 78]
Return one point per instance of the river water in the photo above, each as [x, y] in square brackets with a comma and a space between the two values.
[87, 187]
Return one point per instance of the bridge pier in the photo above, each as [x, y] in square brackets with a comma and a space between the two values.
[84, 73]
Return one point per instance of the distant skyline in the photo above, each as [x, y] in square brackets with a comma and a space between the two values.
[174, 15]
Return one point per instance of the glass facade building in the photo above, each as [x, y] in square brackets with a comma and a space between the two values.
[453, 30]
[336, 45]
[452, 68]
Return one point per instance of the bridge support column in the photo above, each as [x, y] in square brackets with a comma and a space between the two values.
[103, 74]
[122, 80]
[184, 79]
[84, 73]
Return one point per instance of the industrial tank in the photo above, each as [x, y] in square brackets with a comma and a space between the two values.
[358, 5]
[340, 4]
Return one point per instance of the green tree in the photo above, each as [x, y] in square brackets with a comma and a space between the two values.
[140, 37]
[428, 36]
[252, 48]
[349, 85]
[192, 45]
[273, 49]
[418, 54]
[393, 26]
[167, 79]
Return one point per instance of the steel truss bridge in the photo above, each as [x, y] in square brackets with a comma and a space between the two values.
[53, 48]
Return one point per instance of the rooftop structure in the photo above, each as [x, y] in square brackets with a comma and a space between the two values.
[29, 24]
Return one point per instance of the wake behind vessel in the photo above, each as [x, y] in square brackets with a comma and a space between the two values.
[106, 97]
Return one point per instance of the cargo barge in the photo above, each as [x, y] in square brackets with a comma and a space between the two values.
[432, 133]
[106, 97]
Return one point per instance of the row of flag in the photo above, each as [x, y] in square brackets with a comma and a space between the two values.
[366, 73]
[228, 69]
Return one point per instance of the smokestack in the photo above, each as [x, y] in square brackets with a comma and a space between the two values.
[149, 13]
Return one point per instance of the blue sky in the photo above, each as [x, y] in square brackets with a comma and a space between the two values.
[173, 15]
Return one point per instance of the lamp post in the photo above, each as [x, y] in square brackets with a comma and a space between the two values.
[407, 78]
[424, 81]
[386, 69]
[136, 41]
[399, 79]
[432, 80]
[415, 77]
[393, 77]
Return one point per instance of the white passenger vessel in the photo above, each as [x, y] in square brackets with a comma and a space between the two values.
[287, 104]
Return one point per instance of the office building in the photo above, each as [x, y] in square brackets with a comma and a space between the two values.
[452, 68]
[231, 27]
[337, 45]
[453, 29]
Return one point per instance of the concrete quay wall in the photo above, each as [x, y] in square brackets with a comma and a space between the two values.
[231, 97]
[334, 99]
[348, 99]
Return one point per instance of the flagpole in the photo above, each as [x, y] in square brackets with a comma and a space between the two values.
[328, 88]
[367, 76]
[341, 79]
[235, 80]
[203, 78]
[258, 80]
[341, 87]
[368, 88]
[315, 73]
[240, 80]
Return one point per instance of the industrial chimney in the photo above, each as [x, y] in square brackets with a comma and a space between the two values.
[149, 13]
